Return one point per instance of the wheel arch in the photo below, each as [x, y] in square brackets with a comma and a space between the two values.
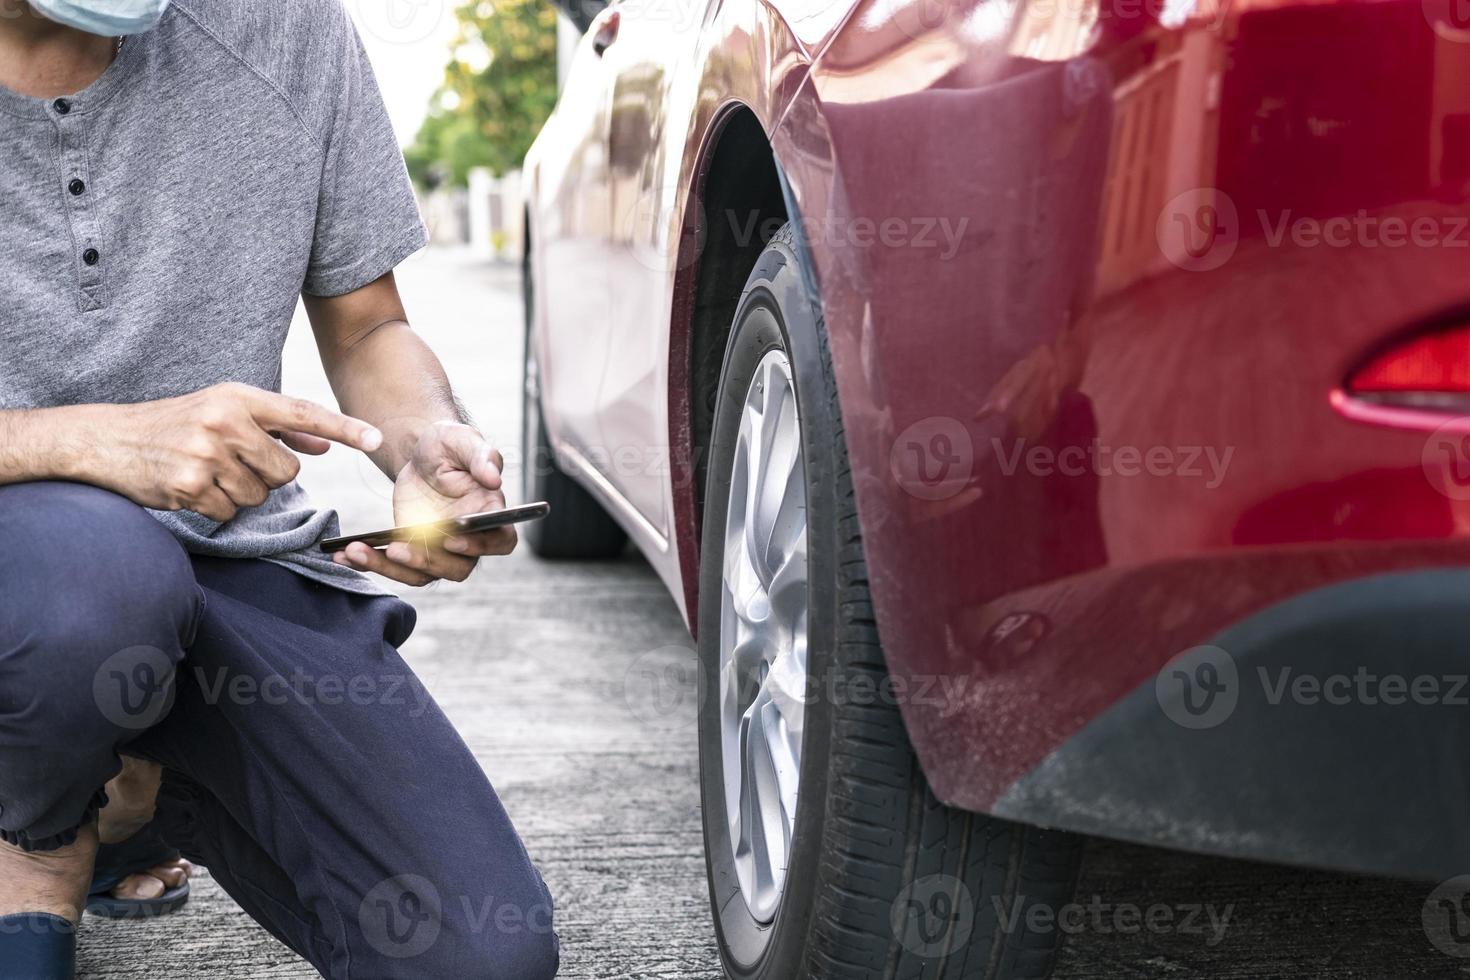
[736, 203]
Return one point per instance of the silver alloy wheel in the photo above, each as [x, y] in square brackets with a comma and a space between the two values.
[763, 635]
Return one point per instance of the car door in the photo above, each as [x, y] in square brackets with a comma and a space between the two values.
[655, 43]
[571, 233]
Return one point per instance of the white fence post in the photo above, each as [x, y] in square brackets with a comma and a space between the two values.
[482, 189]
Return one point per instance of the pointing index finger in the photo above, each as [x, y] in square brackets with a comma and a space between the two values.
[278, 413]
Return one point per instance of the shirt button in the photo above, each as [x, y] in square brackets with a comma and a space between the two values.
[77, 186]
[91, 256]
[62, 106]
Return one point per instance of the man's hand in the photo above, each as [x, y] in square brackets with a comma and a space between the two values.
[452, 471]
[213, 451]
[380, 369]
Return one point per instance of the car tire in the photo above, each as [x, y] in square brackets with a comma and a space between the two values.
[578, 526]
[881, 880]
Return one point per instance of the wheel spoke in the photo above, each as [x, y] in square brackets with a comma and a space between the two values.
[778, 492]
[786, 686]
[765, 847]
[748, 599]
[785, 768]
[786, 597]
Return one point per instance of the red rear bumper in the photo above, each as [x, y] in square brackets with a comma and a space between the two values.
[1097, 431]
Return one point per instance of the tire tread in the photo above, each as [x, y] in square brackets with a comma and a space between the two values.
[887, 827]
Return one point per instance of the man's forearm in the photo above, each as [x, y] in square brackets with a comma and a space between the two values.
[392, 379]
[45, 444]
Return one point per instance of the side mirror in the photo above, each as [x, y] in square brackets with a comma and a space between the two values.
[580, 12]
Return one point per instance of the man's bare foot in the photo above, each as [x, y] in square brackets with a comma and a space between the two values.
[131, 797]
[54, 882]
[155, 881]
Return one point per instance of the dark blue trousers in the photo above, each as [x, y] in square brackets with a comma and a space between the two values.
[305, 765]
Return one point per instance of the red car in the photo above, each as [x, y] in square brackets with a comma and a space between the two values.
[1046, 414]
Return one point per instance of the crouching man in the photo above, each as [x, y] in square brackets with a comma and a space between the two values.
[172, 178]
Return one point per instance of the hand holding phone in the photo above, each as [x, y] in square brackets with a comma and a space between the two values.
[452, 469]
[464, 524]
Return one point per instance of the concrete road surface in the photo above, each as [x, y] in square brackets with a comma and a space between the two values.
[572, 684]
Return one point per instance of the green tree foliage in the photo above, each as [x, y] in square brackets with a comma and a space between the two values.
[499, 87]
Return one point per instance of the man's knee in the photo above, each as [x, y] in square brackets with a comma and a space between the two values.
[501, 953]
[99, 605]
[410, 921]
[101, 601]
[523, 946]
[542, 957]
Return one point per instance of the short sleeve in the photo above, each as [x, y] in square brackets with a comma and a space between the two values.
[367, 217]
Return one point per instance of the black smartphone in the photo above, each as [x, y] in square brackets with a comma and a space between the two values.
[464, 524]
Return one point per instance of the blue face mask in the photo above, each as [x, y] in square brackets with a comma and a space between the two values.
[109, 18]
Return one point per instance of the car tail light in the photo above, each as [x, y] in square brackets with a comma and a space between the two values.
[1425, 370]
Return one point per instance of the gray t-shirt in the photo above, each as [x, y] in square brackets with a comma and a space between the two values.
[159, 225]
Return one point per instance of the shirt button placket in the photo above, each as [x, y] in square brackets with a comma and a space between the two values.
[78, 196]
